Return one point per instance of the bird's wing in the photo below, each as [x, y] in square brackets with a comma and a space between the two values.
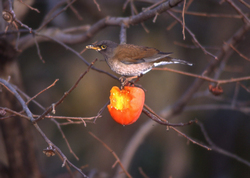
[158, 57]
[132, 54]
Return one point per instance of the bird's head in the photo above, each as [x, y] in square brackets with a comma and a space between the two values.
[104, 47]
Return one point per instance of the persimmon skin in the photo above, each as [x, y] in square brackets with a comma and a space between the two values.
[126, 105]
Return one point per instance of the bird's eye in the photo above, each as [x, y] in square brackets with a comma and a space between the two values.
[103, 46]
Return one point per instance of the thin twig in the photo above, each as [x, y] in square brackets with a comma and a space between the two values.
[156, 15]
[75, 12]
[12, 18]
[32, 8]
[239, 11]
[220, 150]
[58, 13]
[32, 98]
[30, 116]
[76, 53]
[68, 118]
[240, 54]
[142, 173]
[236, 93]
[194, 46]
[64, 137]
[243, 86]
[245, 110]
[183, 20]
[97, 5]
[107, 21]
[204, 77]
[193, 36]
[154, 5]
[150, 113]
[133, 9]
[243, 2]
[190, 139]
[101, 111]
[65, 94]
[113, 153]
[125, 5]
[207, 15]
[14, 113]
[223, 54]
[175, 22]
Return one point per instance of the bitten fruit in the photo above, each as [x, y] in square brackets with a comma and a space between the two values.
[126, 105]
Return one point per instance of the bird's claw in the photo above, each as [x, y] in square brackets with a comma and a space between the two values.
[124, 81]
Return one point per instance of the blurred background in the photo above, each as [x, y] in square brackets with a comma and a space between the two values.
[161, 152]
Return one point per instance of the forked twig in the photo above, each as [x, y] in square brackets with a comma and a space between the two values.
[65, 94]
[32, 8]
[190, 139]
[193, 36]
[8, 86]
[64, 137]
[220, 150]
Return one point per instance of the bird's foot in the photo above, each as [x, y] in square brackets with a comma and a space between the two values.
[127, 81]
[124, 81]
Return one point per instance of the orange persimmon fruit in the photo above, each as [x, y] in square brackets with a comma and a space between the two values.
[126, 105]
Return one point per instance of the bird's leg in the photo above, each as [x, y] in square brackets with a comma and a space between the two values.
[126, 80]
[138, 78]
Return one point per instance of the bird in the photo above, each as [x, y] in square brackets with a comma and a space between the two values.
[131, 60]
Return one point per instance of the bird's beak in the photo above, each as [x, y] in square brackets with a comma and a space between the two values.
[93, 47]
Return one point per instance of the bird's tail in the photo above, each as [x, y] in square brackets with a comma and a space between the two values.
[179, 61]
[169, 60]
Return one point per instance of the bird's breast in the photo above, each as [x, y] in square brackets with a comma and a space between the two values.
[129, 69]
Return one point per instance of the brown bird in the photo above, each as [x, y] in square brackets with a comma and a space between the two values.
[133, 60]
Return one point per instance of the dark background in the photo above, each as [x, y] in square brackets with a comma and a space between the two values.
[162, 153]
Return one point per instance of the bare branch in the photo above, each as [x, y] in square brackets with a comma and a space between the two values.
[18, 97]
[151, 114]
[193, 36]
[64, 137]
[219, 150]
[190, 139]
[53, 84]
[47, 20]
[244, 17]
[32, 8]
[207, 15]
[183, 20]
[113, 153]
[97, 5]
[204, 77]
[65, 94]
[123, 34]
[240, 54]
[179, 105]
[243, 2]
[142, 173]
[194, 46]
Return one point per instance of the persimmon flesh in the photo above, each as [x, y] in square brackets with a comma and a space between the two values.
[126, 105]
